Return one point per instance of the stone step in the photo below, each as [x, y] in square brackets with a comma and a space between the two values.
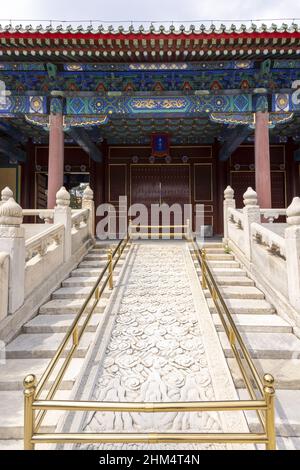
[93, 264]
[245, 306]
[239, 292]
[256, 323]
[79, 281]
[14, 371]
[96, 256]
[11, 444]
[92, 272]
[215, 251]
[224, 264]
[285, 371]
[65, 306]
[29, 346]
[219, 257]
[288, 443]
[236, 272]
[234, 281]
[287, 418]
[266, 345]
[86, 272]
[58, 323]
[209, 245]
[75, 293]
[12, 415]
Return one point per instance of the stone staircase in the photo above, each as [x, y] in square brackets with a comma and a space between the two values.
[269, 338]
[32, 349]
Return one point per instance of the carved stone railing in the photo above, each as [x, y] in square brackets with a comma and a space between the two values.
[40, 254]
[44, 253]
[47, 215]
[264, 236]
[236, 226]
[4, 273]
[272, 214]
[40, 244]
[236, 217]
[270, 251]
[79, 219]
[80, 228]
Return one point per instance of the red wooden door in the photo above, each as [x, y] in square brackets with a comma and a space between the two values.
[158, 184]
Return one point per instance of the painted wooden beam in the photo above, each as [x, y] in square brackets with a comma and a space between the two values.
[234, 139]
[82, 138]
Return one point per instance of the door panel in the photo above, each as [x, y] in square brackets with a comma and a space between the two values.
[157, 184]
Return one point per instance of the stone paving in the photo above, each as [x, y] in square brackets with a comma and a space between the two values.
[156, 351]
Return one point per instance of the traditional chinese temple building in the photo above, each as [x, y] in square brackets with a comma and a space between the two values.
[157, 115]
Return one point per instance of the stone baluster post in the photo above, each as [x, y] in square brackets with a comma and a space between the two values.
[88, 203]
[6, 194]
[229, 201]
[292, 247]
[251, 214]
[12, 242]
[63, 215]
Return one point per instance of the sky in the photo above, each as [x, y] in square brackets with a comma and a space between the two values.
[143, 12]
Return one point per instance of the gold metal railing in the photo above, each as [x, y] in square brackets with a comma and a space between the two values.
[36, 407]
[67, 348]
[258, 389]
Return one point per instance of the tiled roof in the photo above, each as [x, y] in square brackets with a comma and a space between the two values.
[154, 30]
[152, 44]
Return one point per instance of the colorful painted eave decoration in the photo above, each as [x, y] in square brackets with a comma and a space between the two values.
[13, 105]
[248, 119]
[159, 105]
[68, 121]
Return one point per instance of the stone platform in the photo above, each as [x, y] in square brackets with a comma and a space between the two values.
[158, 344]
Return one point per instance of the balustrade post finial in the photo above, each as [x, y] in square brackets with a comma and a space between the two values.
[63, 197]
[250, 197]
[229, 193]
[293, 212]
[11, 213]
[88, 194]
[6, 194]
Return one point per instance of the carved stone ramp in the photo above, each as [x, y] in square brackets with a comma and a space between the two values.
[158, 343]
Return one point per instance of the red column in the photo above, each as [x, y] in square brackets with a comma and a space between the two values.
[262, 160]
[56, 157]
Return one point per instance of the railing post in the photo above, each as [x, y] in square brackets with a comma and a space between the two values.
[63, 215]
[29, 392]
[229, 201]
[12, 242]
[110, 269]
[88, 203]
[292, 248]
[269, 392]
[251, 214]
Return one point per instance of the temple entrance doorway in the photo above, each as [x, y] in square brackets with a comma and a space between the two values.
[161, 184]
